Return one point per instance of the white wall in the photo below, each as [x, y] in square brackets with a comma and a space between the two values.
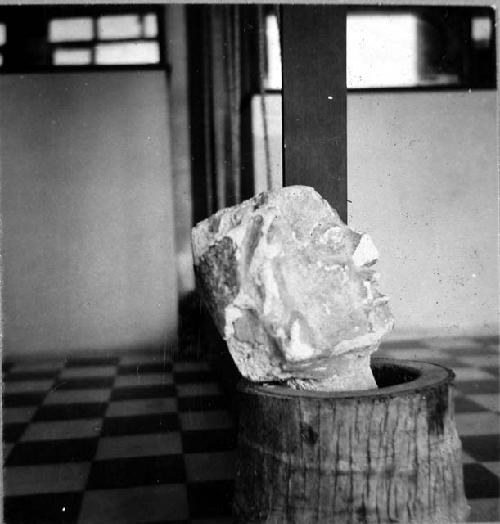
[423, 181]
[88, 246]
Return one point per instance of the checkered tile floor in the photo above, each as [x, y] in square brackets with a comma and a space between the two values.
[135, 439]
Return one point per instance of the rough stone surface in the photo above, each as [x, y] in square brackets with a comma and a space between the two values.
[292, 290]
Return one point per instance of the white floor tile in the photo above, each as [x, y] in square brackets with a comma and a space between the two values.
[470, 373]
[155, 444]
[197, 420]
[483, 509]
[88, 371]
[47, 478]
[21, 414]
[489, 401]
[484, 423]
[68, 429]
[494, 467]
[146, 379]
[128, 408]
[27, 386]
[6, 449]
[198, 389]
[451, 343]
[480, 360]
[77, 396]
[45, 365]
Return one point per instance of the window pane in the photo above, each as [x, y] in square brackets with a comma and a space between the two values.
[70, 29]
[382, 50]
[273, 80]
[481, 29]
[150, 25]
[128, 53]
[71, 56]
[119, 26]
[3, 34]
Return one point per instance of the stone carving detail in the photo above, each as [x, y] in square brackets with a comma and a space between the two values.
[292, 290]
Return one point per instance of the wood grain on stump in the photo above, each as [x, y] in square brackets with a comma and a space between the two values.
[384, 455]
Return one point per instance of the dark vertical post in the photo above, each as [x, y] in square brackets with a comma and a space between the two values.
[314, 100]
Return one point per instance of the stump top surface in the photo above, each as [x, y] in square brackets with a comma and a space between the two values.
[402, 377]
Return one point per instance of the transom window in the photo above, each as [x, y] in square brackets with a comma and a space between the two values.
[79, 37]
[436, 47]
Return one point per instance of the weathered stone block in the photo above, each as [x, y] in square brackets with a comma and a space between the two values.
[292, 290]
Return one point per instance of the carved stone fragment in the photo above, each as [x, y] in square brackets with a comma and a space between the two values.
[292, 290]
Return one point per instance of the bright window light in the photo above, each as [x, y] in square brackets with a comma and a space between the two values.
[481, 29]
[70, 29]
[273, 80]
[71, 57]
[119, 26]
[128, 53]
[150, 25]
[382, 50]
[3, 34]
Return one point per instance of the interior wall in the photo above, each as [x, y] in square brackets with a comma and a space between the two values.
[423, 182]
[88, 242]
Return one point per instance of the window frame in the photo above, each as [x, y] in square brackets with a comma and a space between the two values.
[94, 11]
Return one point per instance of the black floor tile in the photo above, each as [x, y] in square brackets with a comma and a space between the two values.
[52, 508]
[205, 441]
[188, 377]
[148, 367]
[12, 432]
[140, 424]
[488, 340]
[484, 448]
[84, 383]
[16, 400]
[202, 403]
[210, 499]
[6, 367]
[142, 392]
[480, 483]
[70, 411]
[137, 471]
[92, 361]
[52, 451]
[31, 375]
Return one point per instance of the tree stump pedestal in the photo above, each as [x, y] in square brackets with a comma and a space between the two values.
[384, 455]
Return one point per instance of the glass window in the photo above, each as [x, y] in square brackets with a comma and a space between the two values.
[382, 50]
[91, 36]
[128, 53]
[150, 25]
[3, 34]
[70, 29]
[273, 79]
[64, 57]
[119, 26]
[481, 31]
[408, 48]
